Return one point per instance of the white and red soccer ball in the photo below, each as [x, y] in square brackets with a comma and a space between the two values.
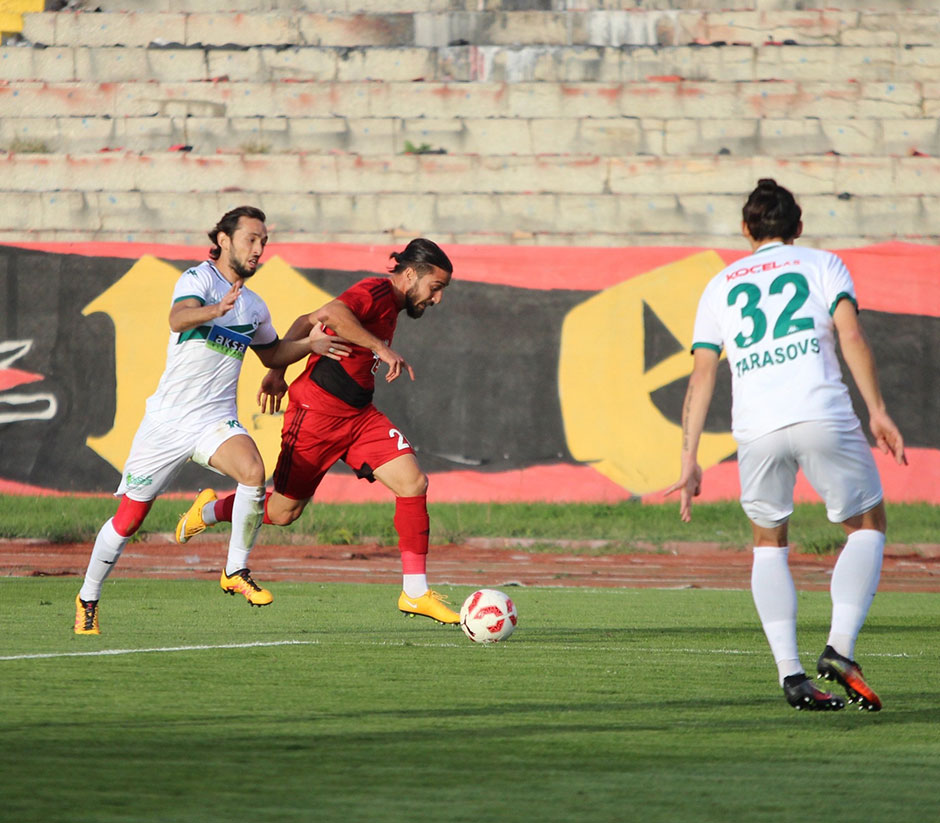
[487, 616]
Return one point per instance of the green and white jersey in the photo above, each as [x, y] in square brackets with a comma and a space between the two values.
[203, 364]
[772, 312]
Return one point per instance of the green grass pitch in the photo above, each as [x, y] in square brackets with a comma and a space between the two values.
[605, 705]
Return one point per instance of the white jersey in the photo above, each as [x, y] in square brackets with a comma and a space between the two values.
[772, 313]
[202, 364]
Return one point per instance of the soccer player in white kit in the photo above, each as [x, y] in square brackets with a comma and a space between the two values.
[776, 313]
[214, 320]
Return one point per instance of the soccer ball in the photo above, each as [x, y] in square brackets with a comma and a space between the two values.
[487, 615]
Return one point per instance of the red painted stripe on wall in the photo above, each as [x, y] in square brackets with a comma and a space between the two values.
[917, 482]
[890, 277]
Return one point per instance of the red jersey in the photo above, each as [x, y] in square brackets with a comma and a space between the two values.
[345, 387]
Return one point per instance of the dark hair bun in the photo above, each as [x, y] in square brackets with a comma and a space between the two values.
[772, 212]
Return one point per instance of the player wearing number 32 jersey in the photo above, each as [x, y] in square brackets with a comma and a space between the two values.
[777, 313]
[772, 313]
[330, 415]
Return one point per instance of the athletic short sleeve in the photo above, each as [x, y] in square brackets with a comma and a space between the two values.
[266, 334]
[357, 299]
[194, 283]
[707, 330]
[837, 283]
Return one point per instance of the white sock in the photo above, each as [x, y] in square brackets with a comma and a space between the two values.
[775, 599]
[208, 513]
[854, 582]
[247, 516]
[108, 547]
[414, 585]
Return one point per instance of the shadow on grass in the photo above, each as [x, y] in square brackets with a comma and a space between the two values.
[733, 710]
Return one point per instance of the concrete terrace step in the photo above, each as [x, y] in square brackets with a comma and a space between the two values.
[495, 136]
[468, 174]
[550, 219]
[620, 237]
[614, 28]
[491, 64]
[548, 122]
[706, 100]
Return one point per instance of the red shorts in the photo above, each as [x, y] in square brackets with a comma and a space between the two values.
[312, 442]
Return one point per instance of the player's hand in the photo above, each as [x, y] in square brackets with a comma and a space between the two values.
[688, 485]
[273, 388]
[396, 364]
[336, 348]
[224, 306]
[887, 436]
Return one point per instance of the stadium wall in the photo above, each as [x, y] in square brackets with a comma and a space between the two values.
[546, 374]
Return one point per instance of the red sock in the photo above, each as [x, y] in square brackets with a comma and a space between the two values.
[223, 509]
[413, 526]
[130, 515]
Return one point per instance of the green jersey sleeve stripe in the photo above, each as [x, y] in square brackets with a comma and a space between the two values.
[710, 346]
[190, 297]
[843, 296]
[198, 333]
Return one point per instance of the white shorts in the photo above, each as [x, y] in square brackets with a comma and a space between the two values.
[159, 452]
[837, 463]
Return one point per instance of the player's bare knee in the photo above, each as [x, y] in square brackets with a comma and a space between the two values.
[284, 517]
[418, 487]
[250, 473]
[255, 476]
[875, 519]
[282, 511]
[770, 535]
[278, 518]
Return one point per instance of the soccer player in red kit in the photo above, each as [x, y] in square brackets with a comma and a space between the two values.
[330, 415]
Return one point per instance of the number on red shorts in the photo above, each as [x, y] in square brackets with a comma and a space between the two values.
[402, 443]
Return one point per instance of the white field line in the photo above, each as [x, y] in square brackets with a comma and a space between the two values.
[105, 652]
[565, 647]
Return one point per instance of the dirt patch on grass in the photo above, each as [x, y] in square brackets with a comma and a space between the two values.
[479, 562]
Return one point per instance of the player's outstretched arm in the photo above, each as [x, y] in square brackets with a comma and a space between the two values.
[300, 328]
[698, 398]
[861, 362]
[339, 318]
[314, 340]
[284, 353]
[328, 345]
[292, 347]
[317, 341]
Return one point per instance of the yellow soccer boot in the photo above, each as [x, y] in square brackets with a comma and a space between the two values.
[430, 604]
[86, 616]
[241, 583]
[191, 522]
